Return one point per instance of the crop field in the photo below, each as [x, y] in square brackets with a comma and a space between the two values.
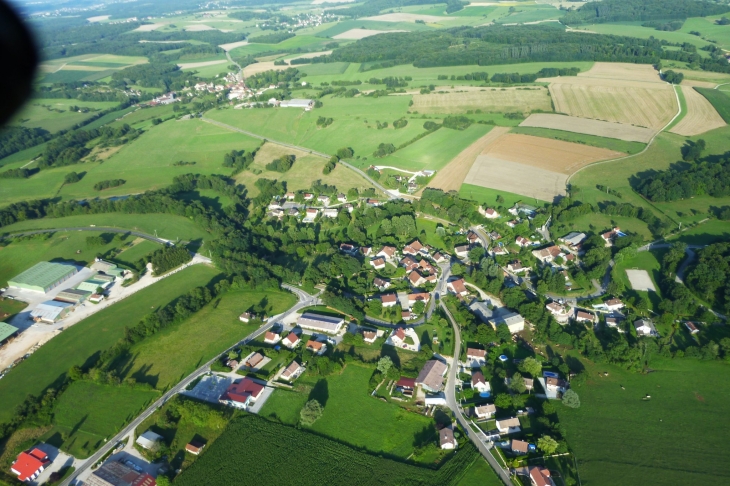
[405, 17]
[701, 116]
[595, 141]
[347, 25]
[88, 67]
[357, 34]
[79, 343]
[485, 99]
[620, 131]
[88, 413]
[620, 71]
[598, 430]
[523, 179]
[291, 44]
[54, 114]
[163, 359]
[450, 178]
[531, 14]
[194, 65]
[480, 473]
[719, 100]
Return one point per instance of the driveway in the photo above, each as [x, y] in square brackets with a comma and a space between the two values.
[210, 388]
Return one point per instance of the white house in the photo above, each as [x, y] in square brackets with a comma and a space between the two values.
[610, 305]
[387, 252]
[478, 382]
[548, 254]
[457, 287]
[485, 411]
[462, 251]
[377, 263]
[561, 313]
[488, 213]
[310, 215]
[691, 327]
[330, 213]
[291, 341]
[389, 300]
[514, 321]
[476, 357]
[509, 425]
[522, 242]
[582, 316]
[271, 337]
[645, 327]
[446, 438]
[573, 239]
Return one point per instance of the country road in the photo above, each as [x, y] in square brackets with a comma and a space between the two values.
[305, 300]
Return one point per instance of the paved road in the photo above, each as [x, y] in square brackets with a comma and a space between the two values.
[103, 229]
[303, 149]
[454, 405]
[305, 300]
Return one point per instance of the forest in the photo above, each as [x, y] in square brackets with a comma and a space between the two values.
[15, 139]
[712, 178]
[710, 276]
[641, 10]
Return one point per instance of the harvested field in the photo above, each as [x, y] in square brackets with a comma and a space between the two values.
[261, 67]
[190, 65]
[362, 33]
[623, 71]
[148, 27]
[640, 280]
[310, 55]
[701, 116]
[486, 99]
[620, 131]
[522, 179]
[452, 175]
[699, 84]
[98, 18]
[199, 28]
[405, 17]
[233, 45]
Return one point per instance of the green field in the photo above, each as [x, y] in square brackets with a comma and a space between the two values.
[597, 222]
[709, 29]
[712, 231]
[35, 115]
[688, 400]
[311, 43]
[87, 414]
[346, 25]
[719, 100]
[173, 353]
[680, 36]
[488, 197]
[480, 473]
[81, 342]
[8, 308]
[682, 108]
[132, 255]
[593, 140]
[354, 417]
[534, 13]
[324, 69]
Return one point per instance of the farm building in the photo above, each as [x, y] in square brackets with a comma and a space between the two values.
[51, 311]
[297, 103]
[318, 322]
[7, 331]
[72, 296]
[149, 440]
[93, 284]
[43, 276]
[107, 268]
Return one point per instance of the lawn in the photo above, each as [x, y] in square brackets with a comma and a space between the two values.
[682, 429]
[531, 14]
[433, 239]
[488, 197]
[597, 222]
[645, 260]
[8, 308]
[80, 343]
[593, 140]
[54, 114]
[352, 416]
[712, 231]
[709, 29]
[165, 358]
[133, 254]
[480, 473]
[87, 414]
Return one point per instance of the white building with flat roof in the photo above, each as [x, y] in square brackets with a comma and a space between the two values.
[319, 322]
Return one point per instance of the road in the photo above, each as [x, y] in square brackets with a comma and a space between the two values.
[453, 404]
[103, 229]
[304, 149]
[305, 300]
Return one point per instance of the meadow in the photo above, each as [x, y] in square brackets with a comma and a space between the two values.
[311, 43]
[681, 430]
[87, 414]
[82, 342]
[636, 30]
[593, 140]
[480, 473]
[709, 232]
[55, 114]
[488, 197]
[165, 358]
[645, 260]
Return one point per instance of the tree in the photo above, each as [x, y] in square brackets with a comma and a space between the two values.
[503, 333]
[419, 307]
[75, 373]
[345, 153]
[384, 364]
[517, 383]
[93, 241]
[163, 480]
[571, 399]
[330, 165]
[375, 306]
[547, 444]
[71, 178]
[531, 366]
[503, 400]
[310, 413]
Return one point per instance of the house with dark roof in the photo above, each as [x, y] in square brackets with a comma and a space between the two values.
[457, 287]
[691, 327]
[540, 476]
[292, 371]
[431, 377]
[462, 251]
[446, 438]
[114, 473]
[478, 382]
[194, 447]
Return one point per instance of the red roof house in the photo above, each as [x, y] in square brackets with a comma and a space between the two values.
[30, 464]
[242, 394]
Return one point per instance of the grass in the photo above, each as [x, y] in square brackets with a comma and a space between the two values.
[593, 140]
[596, 222]
[709, 29]
[132, 255]
[609, 416]
[712, 231]
[18, 159]
[429, 227]
[488, 197]
[8, 308]
[350, 414]
[165, 358]
[291, 44]
[344, 26]
[88, 413]
[480, 473]
[682, 107]
[680, 36]
[531, 14]
[33, 115]
[719, 100]
[82, 342]
[324, 69]
[651, 262]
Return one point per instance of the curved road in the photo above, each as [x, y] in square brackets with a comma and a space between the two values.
[305, 300]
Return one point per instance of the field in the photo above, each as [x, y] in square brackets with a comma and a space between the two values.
[610, 416]
[527, 180]
[719, 100]
[163, 359]
[480, 473]
[404, 17]
[636, 30]
[451, 177]
[54, 114]
[309, 459]
[87, 67]
[361, 33]
[81, 342]
[707, 233]
[485, 99]
[593, 140]
[488, 196]
[701, 116]
[88, 413]
[347, 25]
[619, 131]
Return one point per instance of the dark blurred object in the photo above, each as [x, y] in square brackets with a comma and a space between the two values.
[19, 60]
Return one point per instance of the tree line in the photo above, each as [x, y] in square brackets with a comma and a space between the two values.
[641, 10]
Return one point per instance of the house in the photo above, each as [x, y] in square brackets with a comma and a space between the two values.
[271, 338]
[412, 187]
[512, 320]
[290, 196]
[515, 266]
[416, 279]
[611, 235]
[457, 287]
[610, 305]
[438, 257]
[406, 386]
[292, 371]
[374, 203]
[427, 267]
[308, 196]
[319, 322]
[194, 447]
[413, 248]
[529, 383]
[522, 242]
[573, 239]
[330, 213]
[560, 312]
[293, 212]
[96, 298]
[381, 283]
[462, 251]
[149, 440]
[485, 411]
[350, 208]
[446, 438]
[341, 198]
[366, 250]
[612, 321]
[479, 384]
[232, 364]
[115, 473]
[30, 464]
[473, 238]
[274, 204]
[481, 310]
[495, 236]
[291, 341]
[540, 476]
[242, 393]
[548, 254]
[488, 213]
[691, 327]
[418, 297]
[512, 223]
[316, 347]
[476, 356]
[519, 446]
[378, 263]
[348, 249]
[389, 300]
[509, 425]
[582, 316]
[644, 327]
[310, 215]
[398, 336]
[431, 377]
[387, 252]
[254, 360]
[556, 385]
[369, 336]
[409, 263]
[499, 250]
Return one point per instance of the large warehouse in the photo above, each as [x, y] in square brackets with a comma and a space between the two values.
[7, 331]
[319, 322]
[43, 276]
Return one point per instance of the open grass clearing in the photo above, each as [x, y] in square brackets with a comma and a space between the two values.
[599, 222]
[485, 99]
[405, 17]
[357, 34]
[636, 30]
[584, 139]
[593, 130]
[347, 25]
[700, 117]
[488, 196]
[80, 343]
[55, 114]
[480, 473]
[709, 232]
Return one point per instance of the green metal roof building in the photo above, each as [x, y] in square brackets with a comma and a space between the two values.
[43, 276]
[6, 331]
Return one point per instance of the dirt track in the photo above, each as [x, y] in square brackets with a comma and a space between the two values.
[620, 131]
[701, 116]
[453, 174]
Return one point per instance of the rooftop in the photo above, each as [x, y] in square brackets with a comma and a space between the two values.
[43, 274]
[6, 330]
